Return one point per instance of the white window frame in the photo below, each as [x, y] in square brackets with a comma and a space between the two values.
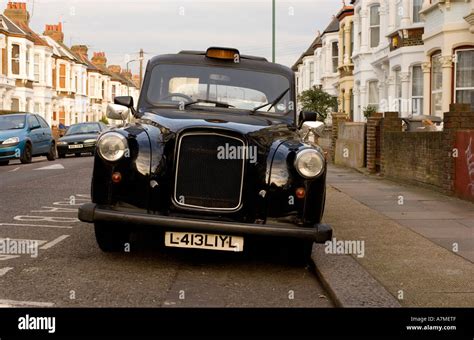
[372, 27]
[311, 73]
[16, 58]
[398, 88]
[413, 12]
[369, 103]
[419, 99]
[334, 56]
[36, 67]
[435, 92]
[456, 74]
[28, 61]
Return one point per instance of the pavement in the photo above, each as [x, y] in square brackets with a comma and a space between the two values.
[418, 243]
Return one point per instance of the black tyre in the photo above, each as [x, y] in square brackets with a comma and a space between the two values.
[27, 154]
[300, 252]
[112, 238]
[61, 155]
[2, 163]
[51, 156]
[77, 154]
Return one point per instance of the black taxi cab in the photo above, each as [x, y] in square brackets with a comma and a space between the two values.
[215, 153]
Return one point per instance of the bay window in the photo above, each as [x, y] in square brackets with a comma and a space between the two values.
[464, 77]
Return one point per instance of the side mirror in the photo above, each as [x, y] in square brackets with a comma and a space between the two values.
[117, 111]
[307, 116]
[315, 127]
[124, 101]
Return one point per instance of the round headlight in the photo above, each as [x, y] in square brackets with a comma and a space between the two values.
[309, 163]
[112, 146]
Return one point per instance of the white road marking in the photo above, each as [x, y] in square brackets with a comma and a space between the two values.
[35, 225]
[28, 218]
[54, 242]
[51, 167]
[54, 209]
[5, 270]
[13, 170]
[13, 303]
[4, 257]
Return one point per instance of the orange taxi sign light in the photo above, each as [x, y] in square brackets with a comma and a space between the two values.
[222, 53]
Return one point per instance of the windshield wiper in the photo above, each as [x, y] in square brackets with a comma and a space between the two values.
[273, 103]
[218, 104]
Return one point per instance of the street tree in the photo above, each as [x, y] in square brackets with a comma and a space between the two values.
[318, 101]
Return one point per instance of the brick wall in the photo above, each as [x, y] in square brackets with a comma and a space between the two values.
[336, 119]
[373, 143]
[415, 157]
[424, 158]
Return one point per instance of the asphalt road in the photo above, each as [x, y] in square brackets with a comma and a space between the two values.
[71, 271]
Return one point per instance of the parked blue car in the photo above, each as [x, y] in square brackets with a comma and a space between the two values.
[24, 135]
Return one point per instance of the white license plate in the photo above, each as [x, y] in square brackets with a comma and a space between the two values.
[204, 241]
[77, 146]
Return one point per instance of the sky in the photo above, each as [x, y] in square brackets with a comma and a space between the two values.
[121, 27]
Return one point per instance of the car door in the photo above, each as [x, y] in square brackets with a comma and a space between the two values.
[47, 134]
[35, 134]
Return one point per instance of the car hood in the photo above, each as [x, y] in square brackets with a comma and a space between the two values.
[78, 138]
[176, 120]
[5, 134]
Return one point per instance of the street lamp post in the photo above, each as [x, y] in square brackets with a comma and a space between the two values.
[273, 31]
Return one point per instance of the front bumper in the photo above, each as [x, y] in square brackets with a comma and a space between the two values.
[11, 151]
[319, 233]
[64, 149]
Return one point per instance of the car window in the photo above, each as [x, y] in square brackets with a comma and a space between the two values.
[80, 129]
[43, 122]
[240, 88]
[32, 122]
[12, 122]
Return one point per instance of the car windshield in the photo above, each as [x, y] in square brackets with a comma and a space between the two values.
[12, 122]
[223, 87]
[81, 129]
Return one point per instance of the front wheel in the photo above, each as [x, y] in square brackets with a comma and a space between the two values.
[300, 252]
[51, 156]
[27, 154]
[112, 238]
[2, 163]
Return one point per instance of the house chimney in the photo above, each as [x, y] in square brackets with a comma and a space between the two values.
[99, 59]
[115, 69]
[55, 32]
[17, 12]
[81, 50]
